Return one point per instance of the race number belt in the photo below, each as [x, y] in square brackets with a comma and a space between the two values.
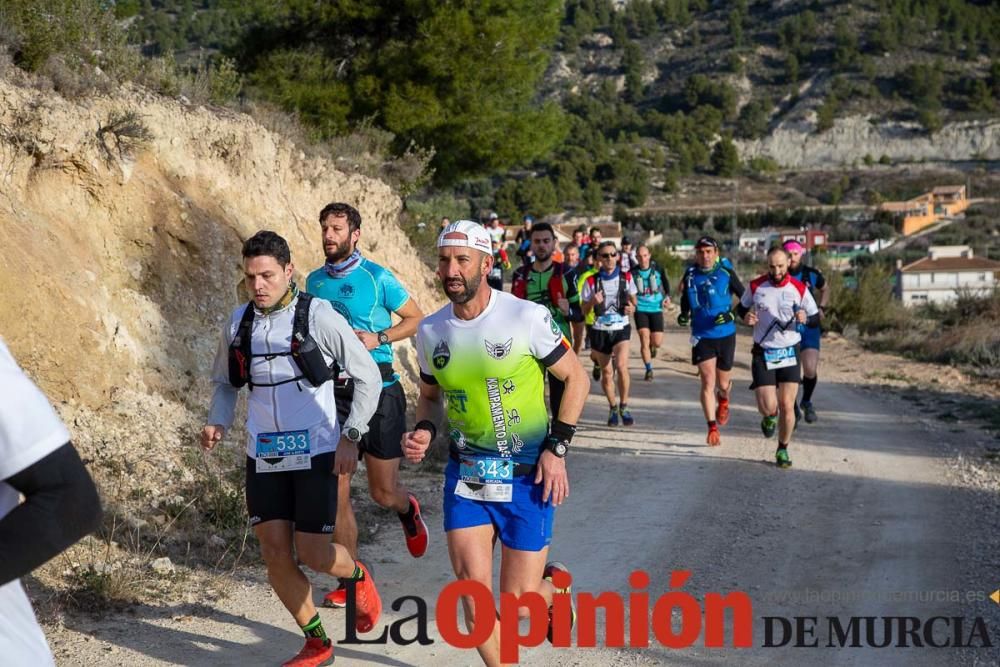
[282, 451]
[486, 478]
[780, 357]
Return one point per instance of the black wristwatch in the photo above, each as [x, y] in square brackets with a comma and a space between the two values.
[353, 434]
[558, 447]
[383, 338]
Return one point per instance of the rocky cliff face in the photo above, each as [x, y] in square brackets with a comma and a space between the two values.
[120, 268]
[796, 144]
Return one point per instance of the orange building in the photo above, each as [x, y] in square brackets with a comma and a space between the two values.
[950, 200]
[926, 209]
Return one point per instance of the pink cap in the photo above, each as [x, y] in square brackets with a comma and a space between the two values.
[793, 246]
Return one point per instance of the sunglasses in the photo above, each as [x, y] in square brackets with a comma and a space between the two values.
[608, 255]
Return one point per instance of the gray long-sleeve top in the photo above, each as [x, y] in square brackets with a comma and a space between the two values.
[295, 405]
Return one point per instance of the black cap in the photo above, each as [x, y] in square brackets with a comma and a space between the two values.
[706, 242]
[627, 240]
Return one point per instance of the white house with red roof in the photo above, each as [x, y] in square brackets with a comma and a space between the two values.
[943, 274]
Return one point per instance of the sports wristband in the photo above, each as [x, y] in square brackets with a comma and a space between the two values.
[427, 425]
[562, 431]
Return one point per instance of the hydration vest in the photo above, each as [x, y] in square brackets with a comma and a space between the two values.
[554, 288]
[598, 286]
[653, 284]
[304, 350]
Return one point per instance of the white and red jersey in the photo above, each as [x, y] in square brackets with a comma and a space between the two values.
[776, 305]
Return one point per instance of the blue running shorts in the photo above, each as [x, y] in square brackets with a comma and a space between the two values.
[524, 523]
[810, 337]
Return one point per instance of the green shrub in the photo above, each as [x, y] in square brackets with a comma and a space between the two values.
[871, 306]
[725, 158]
[593, 197]
[753, 119]
[82, 34]
[826, 113]
[763, 165]
[700, 90]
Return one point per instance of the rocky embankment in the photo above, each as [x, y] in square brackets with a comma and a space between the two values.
[121, 259]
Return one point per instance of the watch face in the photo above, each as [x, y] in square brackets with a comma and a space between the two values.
[353, 434]
[561, 449]
[383, 338]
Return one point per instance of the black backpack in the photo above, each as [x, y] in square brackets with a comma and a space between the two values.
[304, 350]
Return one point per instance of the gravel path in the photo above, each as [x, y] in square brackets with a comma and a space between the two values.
[886, 512]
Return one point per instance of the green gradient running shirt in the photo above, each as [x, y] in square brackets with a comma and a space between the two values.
[491, 371]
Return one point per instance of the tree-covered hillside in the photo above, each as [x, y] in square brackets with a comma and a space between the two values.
[549, 105]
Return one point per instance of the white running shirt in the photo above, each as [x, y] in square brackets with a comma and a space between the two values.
[776, 305]
[30, 430]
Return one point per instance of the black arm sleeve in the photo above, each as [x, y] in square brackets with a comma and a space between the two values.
[61, 506]
[665, 281]
[812, 321]
[735, 286]
[685, 303]
[742, 310]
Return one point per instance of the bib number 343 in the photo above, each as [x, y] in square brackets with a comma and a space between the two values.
[486, 478]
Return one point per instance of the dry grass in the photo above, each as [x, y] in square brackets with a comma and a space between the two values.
[963, 333]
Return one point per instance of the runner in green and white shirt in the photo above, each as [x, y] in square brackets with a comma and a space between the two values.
[486, 354]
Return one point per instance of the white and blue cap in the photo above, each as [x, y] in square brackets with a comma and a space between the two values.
[466, 234]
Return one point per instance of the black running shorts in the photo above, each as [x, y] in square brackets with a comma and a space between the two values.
[308, 498]
[723, 350]
[385, 430]
[763, 377]
[651, 321]
[604, 341]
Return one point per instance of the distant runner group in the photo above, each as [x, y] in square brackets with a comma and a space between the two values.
[323, 394]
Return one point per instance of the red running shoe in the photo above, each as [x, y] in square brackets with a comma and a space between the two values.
[415, 531]
[316, 652]
[722, 412]
[713, 439]
[369, 602]
[551, 567]
[337, 597]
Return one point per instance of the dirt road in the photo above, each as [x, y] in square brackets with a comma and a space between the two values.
[868, 522]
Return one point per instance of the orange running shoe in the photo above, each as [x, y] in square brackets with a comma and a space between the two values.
[713, 439]
[722, 412]
[316, 652]
[369, 602]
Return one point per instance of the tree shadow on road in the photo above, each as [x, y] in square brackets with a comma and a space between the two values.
[193, 634]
